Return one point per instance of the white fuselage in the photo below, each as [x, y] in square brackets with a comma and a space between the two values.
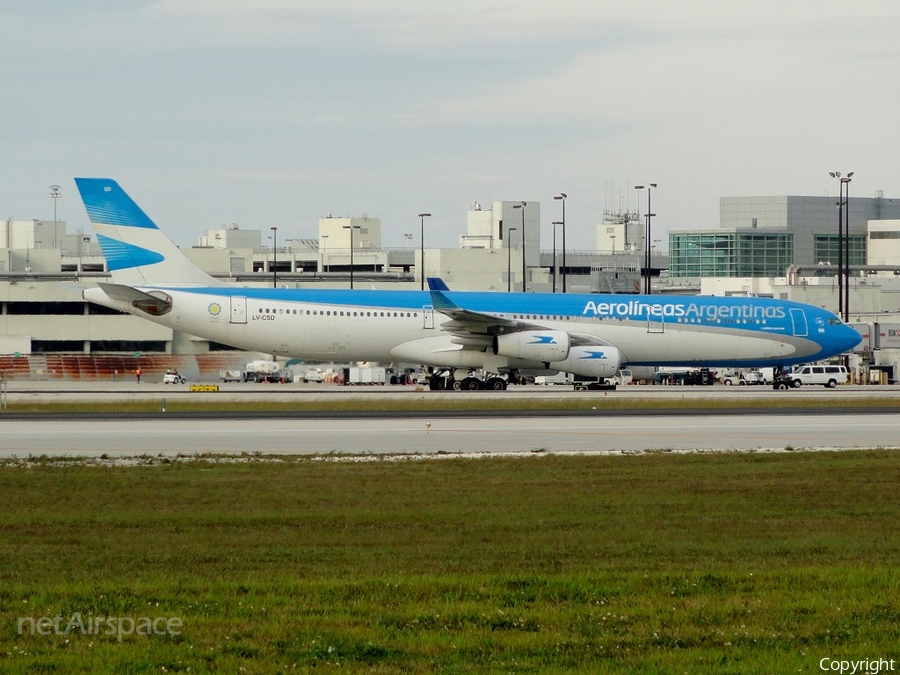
[331, 332]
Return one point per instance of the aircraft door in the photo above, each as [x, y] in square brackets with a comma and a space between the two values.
[428, 314]
[798, 322]
[238, 309]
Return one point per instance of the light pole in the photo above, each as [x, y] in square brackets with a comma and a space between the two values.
[524, 270]
[509, 258]
[845, 181]
[555, 268]
[351, 228]
[55, 194]
[562, 197]
[274, 257]
[840, 207]
[422, 217]
[86, 239]
[843, 245]
[647, 239]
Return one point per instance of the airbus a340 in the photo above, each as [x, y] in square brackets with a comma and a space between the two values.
[495, 334]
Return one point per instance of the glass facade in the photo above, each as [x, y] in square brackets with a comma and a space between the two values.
[826, 249]
[730, 254]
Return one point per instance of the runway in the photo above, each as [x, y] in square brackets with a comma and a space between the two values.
[604, 431]
[418, 435]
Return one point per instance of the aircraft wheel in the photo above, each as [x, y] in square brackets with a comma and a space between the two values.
[436, 383]
[472, 384]
[457, 385]
[495, 384]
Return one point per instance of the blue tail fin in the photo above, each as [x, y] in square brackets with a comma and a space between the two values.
[136, 250]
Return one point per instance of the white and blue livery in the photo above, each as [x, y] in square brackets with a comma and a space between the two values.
[495, 333]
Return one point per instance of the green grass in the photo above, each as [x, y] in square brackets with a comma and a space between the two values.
[730, 563]
[427, 403]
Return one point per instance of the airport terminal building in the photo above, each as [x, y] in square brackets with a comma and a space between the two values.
[763, 236]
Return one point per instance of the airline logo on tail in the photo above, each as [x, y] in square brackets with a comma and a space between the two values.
[120, 256]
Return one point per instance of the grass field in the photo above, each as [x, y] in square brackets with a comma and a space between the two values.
[730, 563]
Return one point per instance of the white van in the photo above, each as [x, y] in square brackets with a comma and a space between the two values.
[828, 376]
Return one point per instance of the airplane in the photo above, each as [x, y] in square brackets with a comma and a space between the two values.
[483, 339]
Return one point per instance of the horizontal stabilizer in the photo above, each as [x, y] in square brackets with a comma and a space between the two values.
[157, 303]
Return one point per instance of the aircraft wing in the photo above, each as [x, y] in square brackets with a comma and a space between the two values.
[477, 329]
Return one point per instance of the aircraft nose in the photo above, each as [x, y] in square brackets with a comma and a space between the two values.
[848, 338]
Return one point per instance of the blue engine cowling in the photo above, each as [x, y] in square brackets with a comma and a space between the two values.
[533, 345]
[590, 361]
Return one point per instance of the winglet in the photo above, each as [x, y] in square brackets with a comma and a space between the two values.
[437, 284]
[441, 302]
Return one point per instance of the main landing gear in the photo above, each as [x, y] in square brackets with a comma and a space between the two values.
[780, 379]
[447, 380]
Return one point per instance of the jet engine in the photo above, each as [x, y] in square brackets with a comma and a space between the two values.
[590, 361]
[533, 345]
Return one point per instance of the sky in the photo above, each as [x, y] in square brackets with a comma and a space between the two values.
[272, 113]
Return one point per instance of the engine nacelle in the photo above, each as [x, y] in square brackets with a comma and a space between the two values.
[533, 345]
[590, 362]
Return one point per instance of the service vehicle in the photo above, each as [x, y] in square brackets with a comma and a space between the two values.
[742, 377]
[559, 378]
[266, 371]
[825, 374]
